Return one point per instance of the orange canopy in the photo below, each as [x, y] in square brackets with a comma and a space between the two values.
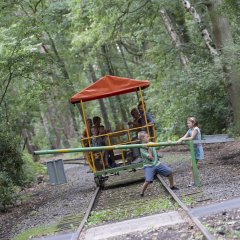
[109, 86]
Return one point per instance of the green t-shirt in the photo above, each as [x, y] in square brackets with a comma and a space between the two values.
[146, 161]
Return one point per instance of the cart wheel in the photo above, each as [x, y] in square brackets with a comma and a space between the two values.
[100, 181]
[96, 179]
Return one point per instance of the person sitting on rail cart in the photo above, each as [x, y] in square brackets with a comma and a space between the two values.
[136, 119]
[85, 134]
[149, 117]
[108, 154]
[134, 153]
[101, 131]
[152, 165]
[97, 141]
[88, 128]
[97, 122]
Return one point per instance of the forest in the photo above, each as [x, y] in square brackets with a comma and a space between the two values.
[52, 49]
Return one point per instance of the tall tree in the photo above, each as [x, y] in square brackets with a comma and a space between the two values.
[224, 41]
[101, 102]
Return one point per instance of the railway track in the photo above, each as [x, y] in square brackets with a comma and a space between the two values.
[120, 200]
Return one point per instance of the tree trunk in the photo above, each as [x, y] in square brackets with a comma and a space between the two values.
[29, 144]
[63, 68]
[110, 100]
[174, 36]
[122, 109]
[223, 38]
[44, 123]
[65, 130]
[101, 102]
[114, 72]
[204, 32]
[119, 45]
[52, 118]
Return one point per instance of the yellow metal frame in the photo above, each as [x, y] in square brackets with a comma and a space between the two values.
[126, 131]
[144, 110]
[90, 156]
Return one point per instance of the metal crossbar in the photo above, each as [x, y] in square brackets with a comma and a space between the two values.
[129, 146]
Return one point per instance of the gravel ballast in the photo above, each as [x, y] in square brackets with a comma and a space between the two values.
[219, 173]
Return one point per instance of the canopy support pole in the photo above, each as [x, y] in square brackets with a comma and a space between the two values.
[92, 165]
[144, 111]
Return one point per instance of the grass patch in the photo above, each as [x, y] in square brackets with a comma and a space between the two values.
[70, 222]
[132, 211]
[188, 201]
[36, 232]
[229, 232]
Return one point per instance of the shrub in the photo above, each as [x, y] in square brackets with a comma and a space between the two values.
[31, 170]
[7, 190]
[11, 160]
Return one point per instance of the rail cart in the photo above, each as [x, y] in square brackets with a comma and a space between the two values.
[105, 87]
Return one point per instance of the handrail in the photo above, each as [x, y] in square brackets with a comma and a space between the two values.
[146, 145]
[124, 130]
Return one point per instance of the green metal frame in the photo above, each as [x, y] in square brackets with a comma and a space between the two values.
[128, 146]
[194, 164]
[119, 169]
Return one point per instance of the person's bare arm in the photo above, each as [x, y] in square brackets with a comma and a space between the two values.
[182, 138]
[186, 137]
[150, 155]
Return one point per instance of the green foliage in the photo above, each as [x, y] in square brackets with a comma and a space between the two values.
[175, 94]
[232, 7]
[188, 201]
[47, 47]
[31, 170]
[15, 169]
[36, 232]
[11, 164]
[11, 160]
[198, 93]
[7, 190]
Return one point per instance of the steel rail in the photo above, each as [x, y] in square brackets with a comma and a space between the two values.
[204, 231]
[77, 234]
